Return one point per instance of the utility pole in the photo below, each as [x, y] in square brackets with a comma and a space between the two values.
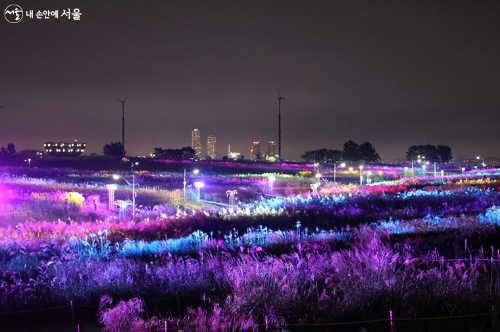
[279, 124]
[123, 121]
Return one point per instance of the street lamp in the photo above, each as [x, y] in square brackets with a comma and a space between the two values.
[198, 186]
[29, 162]
[406, 172]
[360, 175]
[480, 158]
[184, 183]
[423, 169]
[335, 171]
[463, 169]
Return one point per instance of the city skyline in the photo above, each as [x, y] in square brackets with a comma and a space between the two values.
[393, 74]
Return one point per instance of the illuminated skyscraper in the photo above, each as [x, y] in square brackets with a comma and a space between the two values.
[211, 146]
[196, 143]
[271, 150]
[255, 152]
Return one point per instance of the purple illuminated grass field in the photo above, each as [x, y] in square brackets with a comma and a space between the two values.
[420, 247]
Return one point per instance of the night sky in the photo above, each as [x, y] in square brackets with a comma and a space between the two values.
[394, 73]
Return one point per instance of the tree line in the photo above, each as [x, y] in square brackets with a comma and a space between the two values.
[185, 153]
[430, 153]
[354, 153]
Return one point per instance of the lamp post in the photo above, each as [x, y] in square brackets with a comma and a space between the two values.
[479, 159]
[435, 170]
[29, 162]
[198, 186]
[335, 171]
[406, 172]
[423, 169]
[368, 179]
[184, 183]
[463, 170]
[360, 175]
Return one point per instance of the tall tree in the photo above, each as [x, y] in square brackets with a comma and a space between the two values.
[307, 156]
[428, 153]
[444, 153]
[368, 153]
[11, 148]
[188, 153]
[412, 153]
[333, 156]
[185, 153]
[351, 152]
[114, 150]
[321, 156]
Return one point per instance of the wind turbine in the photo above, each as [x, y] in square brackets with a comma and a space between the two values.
[123, 121]
[279, 124]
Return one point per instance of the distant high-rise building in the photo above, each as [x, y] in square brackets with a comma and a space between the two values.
[211, 146]
[196, 143]
[255, 152]
[271, 150]
[234, 155]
